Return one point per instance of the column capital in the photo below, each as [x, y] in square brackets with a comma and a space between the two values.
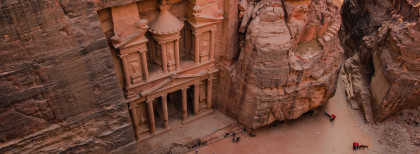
[185, 88]
[143, 51]
[197, 83]
[123, 55]
[162, 42]
[131, 106]
[150, 100]
[164, 95]
[197, 33]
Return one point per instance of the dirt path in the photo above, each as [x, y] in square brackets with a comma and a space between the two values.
[308, 134]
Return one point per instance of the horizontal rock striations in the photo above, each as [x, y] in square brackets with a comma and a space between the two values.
[289, 60]
[59, 91]
[386, 35]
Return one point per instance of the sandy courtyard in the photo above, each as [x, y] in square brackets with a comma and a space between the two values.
[317, 135]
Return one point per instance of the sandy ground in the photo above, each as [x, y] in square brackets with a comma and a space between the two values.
[315, 134]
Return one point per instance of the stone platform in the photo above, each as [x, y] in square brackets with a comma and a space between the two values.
[180, 138]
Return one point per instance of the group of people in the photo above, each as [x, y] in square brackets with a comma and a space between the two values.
[356, 145]
[236, 139]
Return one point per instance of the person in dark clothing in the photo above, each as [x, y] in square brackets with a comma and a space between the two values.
[237, 139]
[328, 115]
[227, 134]
[252, 135]
[363, 146]
[233, 139]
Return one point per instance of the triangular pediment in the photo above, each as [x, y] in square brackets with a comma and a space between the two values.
[137, 40]
[131, 40]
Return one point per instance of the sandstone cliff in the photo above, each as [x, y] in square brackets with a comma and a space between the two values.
[59, 91]
[289, 60]
[384, 35]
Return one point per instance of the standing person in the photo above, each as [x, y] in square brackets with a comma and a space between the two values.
[233, 140]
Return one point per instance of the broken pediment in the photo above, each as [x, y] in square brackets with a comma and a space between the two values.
[128, 27]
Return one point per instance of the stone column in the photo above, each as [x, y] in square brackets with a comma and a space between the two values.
[151, 116]
[197, 49]
[184, 103]
[135, 121]
[196, 99]
[209, 92]
[212, 39]
[164, 61]
[165, 110]
[125, 69]
[177, 64]
[144, 64]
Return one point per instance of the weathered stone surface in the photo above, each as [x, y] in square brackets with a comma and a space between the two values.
[386, 34]
[59, 91]
[283, 71]
[61, 86]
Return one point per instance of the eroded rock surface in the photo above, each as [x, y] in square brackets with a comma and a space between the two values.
[59, 91]
[386, 34]
[289, 60]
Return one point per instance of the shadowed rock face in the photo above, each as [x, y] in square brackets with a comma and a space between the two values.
[58, 88]
[288, 63]
[386, 34]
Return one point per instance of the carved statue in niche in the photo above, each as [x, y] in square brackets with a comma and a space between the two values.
[204, 45]
[135, 66]
[170, 51]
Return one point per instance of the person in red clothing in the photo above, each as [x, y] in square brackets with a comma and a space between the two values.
[332, 117]
[355, 145]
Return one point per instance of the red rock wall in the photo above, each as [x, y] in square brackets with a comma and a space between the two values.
[386, 34]
[59, 91]
[288, 62]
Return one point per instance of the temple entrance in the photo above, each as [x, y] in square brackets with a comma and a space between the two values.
[174, 109]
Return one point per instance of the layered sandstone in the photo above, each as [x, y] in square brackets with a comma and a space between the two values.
[61, 80]
[289, 60]
[386, 35]
[59, 91]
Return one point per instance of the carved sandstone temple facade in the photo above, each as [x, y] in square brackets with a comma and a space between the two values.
[166, 62]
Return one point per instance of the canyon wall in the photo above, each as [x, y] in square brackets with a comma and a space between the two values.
[288, 63]
[59, 91]
[60, 82]
[383, 35]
